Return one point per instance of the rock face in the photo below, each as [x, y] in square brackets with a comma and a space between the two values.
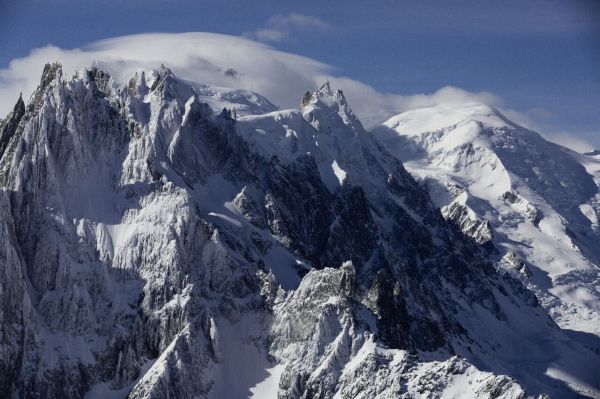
[467, 221]
[8, 126]
[152, 246]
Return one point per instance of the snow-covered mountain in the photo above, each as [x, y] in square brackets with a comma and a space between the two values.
[153, 245]
[538, 203]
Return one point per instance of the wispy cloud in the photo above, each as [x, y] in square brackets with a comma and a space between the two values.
[538, 119]
[283, 27]
[205, 57]
[571, 141]
[282, 77]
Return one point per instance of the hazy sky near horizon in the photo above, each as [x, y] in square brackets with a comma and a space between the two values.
[541, 57]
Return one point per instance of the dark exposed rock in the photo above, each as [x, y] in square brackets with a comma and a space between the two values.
[9, 125]
[298, 207]
[480, 230]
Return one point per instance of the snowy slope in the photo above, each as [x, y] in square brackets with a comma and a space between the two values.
[156, 245]
[540, 200]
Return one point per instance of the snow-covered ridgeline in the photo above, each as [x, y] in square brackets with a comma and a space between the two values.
[155, 247]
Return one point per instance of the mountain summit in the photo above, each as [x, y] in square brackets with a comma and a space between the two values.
[154, 244]
[538, 201]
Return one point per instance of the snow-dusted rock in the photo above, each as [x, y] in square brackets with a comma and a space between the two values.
[154, 245]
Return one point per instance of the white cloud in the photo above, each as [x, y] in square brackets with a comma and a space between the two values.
[570, 141]
[282, 27]
[533, 119]
[201, 57]
[204, 57]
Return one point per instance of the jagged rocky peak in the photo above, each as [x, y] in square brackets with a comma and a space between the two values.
[326, 108]
[19, 107]
[162, 75]
[97, 79]
[137, 84]
[325, 89]
[324, 96]
[52, 73]
[306, 99]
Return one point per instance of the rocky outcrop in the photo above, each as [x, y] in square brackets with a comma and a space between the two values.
[480, 230]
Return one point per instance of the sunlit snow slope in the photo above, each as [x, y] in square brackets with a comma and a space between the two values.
[535, 201]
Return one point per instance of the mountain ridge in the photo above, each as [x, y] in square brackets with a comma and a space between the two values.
[292, 239]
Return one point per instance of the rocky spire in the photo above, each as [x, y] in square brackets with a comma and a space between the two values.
[325, 89]
[20, 105]
[334, 105]
[306, 99]
[52, 72]
[164, 73]
[137, 84]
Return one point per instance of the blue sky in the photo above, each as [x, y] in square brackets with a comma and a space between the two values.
[542, 57]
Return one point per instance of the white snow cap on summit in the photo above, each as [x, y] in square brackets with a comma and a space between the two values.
[441, 116]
